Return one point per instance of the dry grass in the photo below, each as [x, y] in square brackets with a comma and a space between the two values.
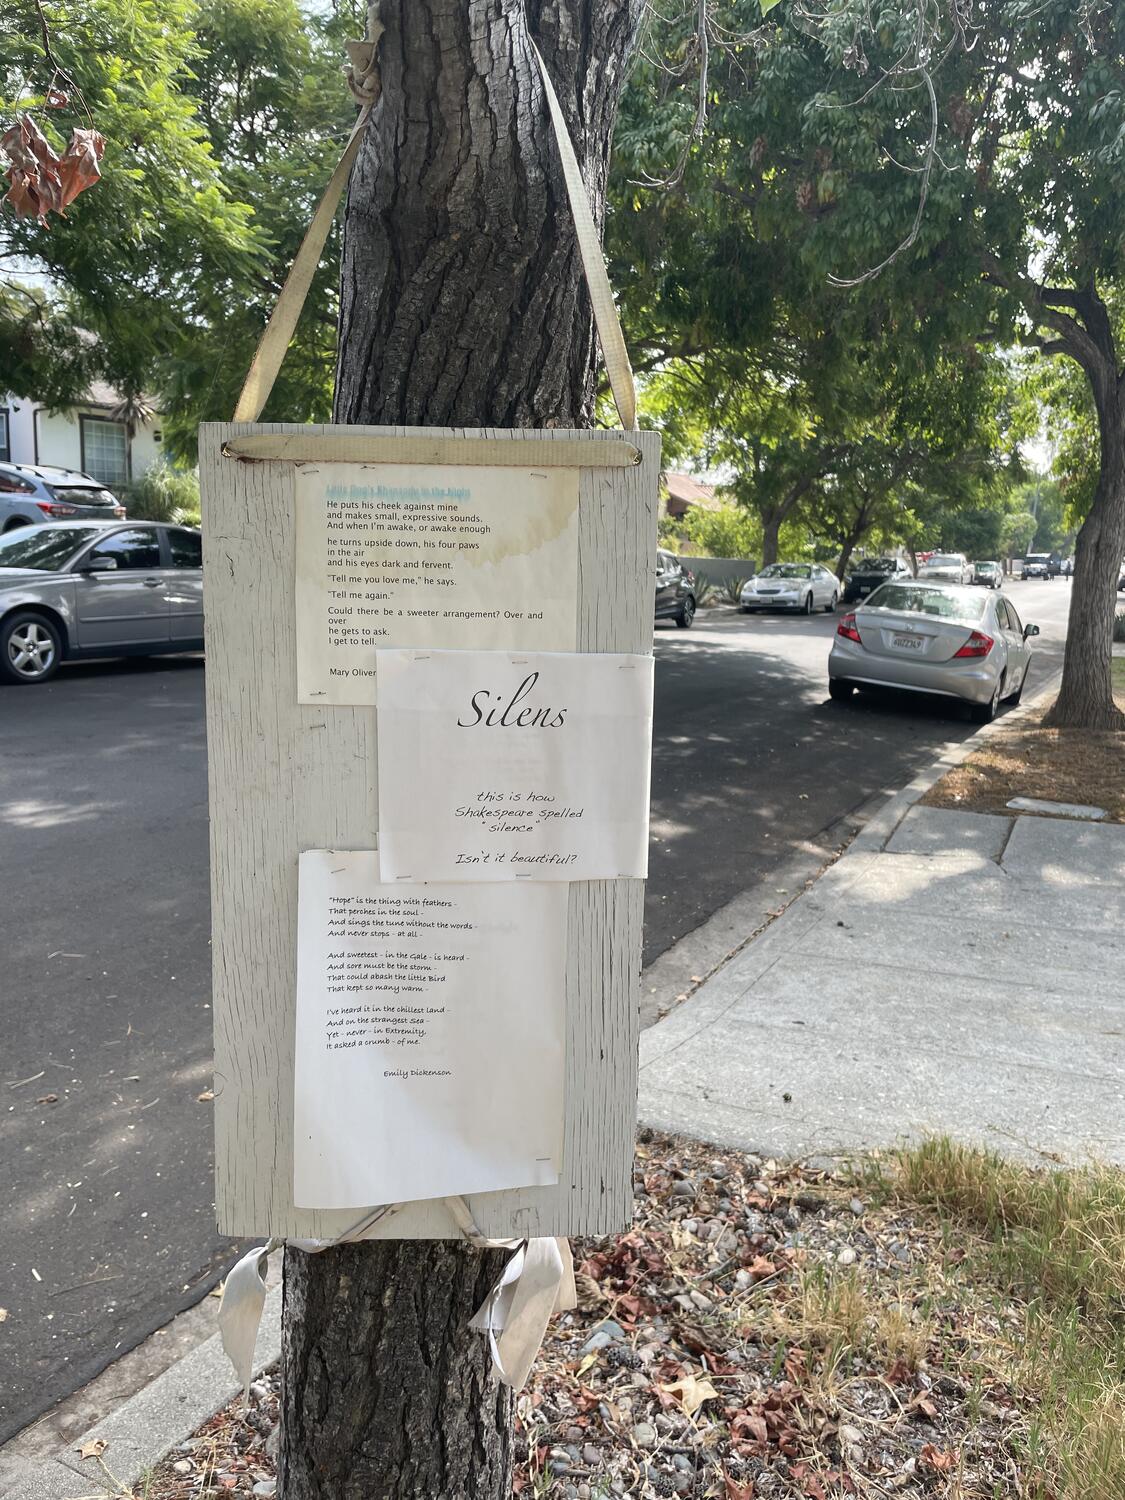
[1055, 1243]
[1061, 765]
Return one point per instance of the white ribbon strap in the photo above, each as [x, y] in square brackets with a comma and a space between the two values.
[536, 1281]
[240, 1310]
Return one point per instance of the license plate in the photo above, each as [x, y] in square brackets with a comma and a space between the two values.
[908, 642]
[865, 588]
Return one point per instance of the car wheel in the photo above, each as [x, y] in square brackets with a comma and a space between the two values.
[830, 607]
[807, 607]
[16, 522]
[687, 613]
[839, 690]
[30, 648]
[984, 713]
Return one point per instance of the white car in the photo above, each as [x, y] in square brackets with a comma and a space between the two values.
[946, 567]
[799, 586]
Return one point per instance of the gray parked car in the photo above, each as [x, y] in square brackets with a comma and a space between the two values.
[933, 638]
[33, 494]
[90, 588]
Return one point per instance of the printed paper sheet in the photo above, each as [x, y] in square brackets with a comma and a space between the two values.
[430, 1036]
[416, 555]
[513, 766]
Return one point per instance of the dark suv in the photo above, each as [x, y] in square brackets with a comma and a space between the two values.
[675, 590]
[37, 494]
[869, 572]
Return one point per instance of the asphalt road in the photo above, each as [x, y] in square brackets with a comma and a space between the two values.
[105, 1146]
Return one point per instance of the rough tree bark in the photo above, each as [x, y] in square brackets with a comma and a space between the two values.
[462, 303]
[1081, 329]
[1085, 698]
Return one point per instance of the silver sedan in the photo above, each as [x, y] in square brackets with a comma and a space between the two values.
[933, 638]
[90, 588]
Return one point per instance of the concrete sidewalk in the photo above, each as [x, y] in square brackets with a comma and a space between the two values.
[955, 973]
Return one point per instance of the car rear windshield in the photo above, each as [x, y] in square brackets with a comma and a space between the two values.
[916, 599]
[1037, 557]
[82, 494]
[943, 560]
[786, 570]
[876, 565]
[47, 548]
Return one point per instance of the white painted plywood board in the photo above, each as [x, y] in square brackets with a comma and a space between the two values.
[285, 777]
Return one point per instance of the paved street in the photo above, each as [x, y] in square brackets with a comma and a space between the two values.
[106, 987]
[751, 759]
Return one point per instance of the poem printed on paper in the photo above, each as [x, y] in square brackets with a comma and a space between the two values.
[417, 555]
[430, 1041]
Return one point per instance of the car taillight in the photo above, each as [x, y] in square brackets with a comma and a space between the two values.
[978, 644]
[50, 509]
[847, 629]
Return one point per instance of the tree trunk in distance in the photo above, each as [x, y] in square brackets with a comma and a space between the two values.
[770, 530]
[1085, 698]
[462, 304]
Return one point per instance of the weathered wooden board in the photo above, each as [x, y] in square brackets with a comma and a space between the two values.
[286, 776]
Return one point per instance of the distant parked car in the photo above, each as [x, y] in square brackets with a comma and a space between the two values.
[675, 590]
[97, 588]
[34, 494]
[867, 574]
[800, 586]
[991, 574]
[933, 638]
[1036, 565]
[946, 567]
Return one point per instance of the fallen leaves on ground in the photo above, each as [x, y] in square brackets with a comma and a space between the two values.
[1024, 759]
[93, 1449]
[764, 1331]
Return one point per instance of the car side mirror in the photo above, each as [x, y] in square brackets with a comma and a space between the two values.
[1029, 630]
[99, 565]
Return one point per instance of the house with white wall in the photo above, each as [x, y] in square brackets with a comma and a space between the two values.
[100, 435]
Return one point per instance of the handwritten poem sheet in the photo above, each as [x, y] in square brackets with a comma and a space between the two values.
[413, 555]
[430, 1036]
[513, 766]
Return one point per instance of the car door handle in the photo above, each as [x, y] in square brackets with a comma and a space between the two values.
[153, 583]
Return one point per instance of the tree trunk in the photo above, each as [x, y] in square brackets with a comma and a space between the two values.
[462, 304]
[1085, 698]
[771, 526]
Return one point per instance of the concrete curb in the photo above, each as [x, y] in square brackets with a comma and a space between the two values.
[878, 829]
[146, 1426]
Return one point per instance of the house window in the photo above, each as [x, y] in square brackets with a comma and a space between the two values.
[105, 450]
[5, 445]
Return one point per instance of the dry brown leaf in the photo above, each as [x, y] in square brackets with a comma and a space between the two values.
[940, 1460]
[691, 1391]
[733, 1489]
[47, 1099]
[93, 1449]
[206, 1096]
[3, 1314]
